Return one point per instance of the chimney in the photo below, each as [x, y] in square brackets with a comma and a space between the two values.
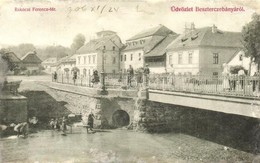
[214, 29]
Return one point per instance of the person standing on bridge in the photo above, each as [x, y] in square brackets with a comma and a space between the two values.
[241, 75]
[225, 75]
[146, 74]
[130, 75]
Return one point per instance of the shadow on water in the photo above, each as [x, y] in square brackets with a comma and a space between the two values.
[44, 106]
[227, 129]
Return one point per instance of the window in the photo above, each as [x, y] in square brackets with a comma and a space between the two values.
[114, 48]
[114, 60]
[190, 58]
[215, 73]
[84, 59]
[125, 57]
[240, 57]
[131, 57]
[121, 57]
[94, 59]
[89, 60]
[180, 58]
[170, 59]
[215, 58]
[140, 57]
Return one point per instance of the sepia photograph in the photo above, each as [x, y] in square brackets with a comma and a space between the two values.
[129, 81]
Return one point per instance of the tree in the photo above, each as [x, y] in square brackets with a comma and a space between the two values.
[251, 39]
[7, 61]
[22, 49]
[78, 42]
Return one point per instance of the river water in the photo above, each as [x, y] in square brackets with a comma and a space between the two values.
[115, 146]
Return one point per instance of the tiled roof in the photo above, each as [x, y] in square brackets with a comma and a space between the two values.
[95, 44]
[160, 30]
[31, 57]
[160, 48]
[147, 44]
[205, 37]
[149, 39]
[67, 59]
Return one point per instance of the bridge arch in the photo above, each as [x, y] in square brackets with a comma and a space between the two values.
[120, 118]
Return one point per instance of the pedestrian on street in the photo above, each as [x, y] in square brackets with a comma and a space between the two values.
[75, 76]
[55, 76]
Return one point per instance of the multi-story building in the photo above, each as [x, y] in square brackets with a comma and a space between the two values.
[147, 47]
[202, 50]
[104, 51]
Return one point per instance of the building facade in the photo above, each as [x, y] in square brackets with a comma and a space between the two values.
[104, 50]
[47, 64]
[202, 51]
[31, 62]
[65, 65]
[147, 47]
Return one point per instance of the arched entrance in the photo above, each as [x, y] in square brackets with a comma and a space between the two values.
[120, 118]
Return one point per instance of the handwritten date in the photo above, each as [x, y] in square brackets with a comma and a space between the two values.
[98, 8]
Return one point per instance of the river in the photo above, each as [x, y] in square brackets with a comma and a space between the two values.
[115, 146]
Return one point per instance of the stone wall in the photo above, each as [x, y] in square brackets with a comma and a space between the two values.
[13, 109]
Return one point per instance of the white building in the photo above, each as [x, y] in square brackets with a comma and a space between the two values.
[239, 59]
[107, 46]
[147, 47]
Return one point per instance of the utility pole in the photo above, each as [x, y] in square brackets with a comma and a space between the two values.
[103, 91]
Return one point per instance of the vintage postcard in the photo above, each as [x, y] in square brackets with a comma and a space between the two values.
[135, 81]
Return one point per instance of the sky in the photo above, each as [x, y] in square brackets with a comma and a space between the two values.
[125, 17]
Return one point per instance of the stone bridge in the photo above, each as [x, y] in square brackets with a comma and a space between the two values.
[151, 110]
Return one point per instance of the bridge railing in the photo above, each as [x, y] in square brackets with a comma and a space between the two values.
[245, 86]
[112, 80]
[223, 85]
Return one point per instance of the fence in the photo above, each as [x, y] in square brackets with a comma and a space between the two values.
[223, 85]
[112, 80]
[243, 86]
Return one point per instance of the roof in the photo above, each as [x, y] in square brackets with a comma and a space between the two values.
[160, 30]
[31, 57]
[205, 37]
[234, 55]
[67, 59]
[105, 31]
[160, 48]
[147, 44]
[50, 60]
[13, 58]
[95, 44]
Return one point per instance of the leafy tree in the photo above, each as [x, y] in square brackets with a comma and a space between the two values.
[78, 42]
[251, 39]
[6, 57]
[235, 69]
